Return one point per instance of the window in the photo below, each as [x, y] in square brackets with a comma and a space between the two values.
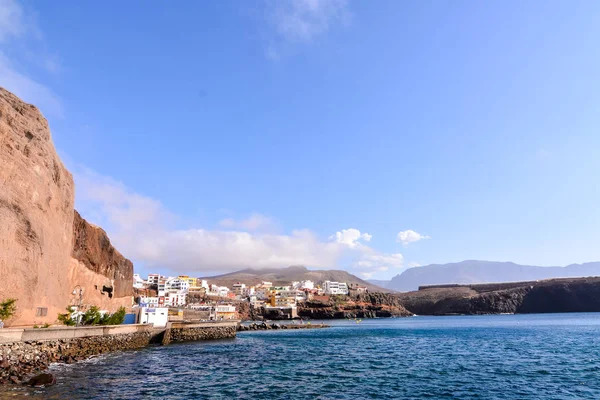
[41, 312]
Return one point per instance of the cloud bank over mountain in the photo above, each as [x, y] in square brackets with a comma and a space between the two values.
[150, 234]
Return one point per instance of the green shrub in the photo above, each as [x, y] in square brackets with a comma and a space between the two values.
[66, 318]
[93, 316]
[8, 308]
[116, 318]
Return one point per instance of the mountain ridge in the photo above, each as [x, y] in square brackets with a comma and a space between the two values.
[478, 271]
[283, 276]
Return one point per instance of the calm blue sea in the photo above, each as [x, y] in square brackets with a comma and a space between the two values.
[487, 357]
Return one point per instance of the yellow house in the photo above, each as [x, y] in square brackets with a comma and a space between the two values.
[191, 281]
[225, 312]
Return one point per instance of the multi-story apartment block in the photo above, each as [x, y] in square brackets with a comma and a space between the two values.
[330, 287]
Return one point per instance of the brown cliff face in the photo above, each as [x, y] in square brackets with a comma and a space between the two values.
[36, 212]
[92, 247]
[365, 305]
[47, 251]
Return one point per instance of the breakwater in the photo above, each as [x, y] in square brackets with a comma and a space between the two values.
[24, 352]
[264, 326]
[180, 332]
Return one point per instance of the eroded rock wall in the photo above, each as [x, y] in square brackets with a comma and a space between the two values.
[36, 214]
[47, 250]
[92, 248]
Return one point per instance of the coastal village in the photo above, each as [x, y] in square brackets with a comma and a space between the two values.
[161, 298]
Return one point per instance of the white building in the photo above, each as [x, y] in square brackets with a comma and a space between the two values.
[203, 283]
[175, 299]
[303, 284]
[138, 282]
[297, 295]
[330, 287]
[177, 284]
[214, 290]
[238, 288]
[262, 293]
[148, 301]
[162, 286]
[154, 278]
[156, 316]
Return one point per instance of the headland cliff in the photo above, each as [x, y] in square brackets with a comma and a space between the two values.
[50, 257]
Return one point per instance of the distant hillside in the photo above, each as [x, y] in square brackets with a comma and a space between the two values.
[283, 276]
[473, 271]
[380, 283]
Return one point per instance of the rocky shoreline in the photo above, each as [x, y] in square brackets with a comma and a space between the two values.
[365, 305]
[21, 359]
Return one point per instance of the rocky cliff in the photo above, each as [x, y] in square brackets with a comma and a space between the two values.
[554, 295]
[47, 251]
[366, 305]
[36, 212]
[92, 247]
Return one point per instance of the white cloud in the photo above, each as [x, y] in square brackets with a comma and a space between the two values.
[16, 26]
[28, 89]
[409, 236]
[12, 20]
[380, 262]
[369, 274]
[302, 20]
[142, 229]
[350, 237]
[253, 223]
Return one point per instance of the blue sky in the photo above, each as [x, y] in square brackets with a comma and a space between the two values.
[208, 137]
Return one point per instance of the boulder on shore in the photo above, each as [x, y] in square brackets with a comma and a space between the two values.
[44, 379]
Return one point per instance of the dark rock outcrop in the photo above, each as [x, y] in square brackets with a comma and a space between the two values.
[44, 379]
[365, 305]
[549, 296]
[92, 247]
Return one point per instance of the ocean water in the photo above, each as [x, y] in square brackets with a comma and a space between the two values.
[553, 356]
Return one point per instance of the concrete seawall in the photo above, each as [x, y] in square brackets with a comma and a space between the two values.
[26, 351]
[180, 332]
